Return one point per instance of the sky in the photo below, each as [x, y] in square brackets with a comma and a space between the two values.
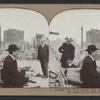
[31, 22]
[68, 23]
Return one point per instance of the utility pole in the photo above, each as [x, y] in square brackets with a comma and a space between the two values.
[0, 37]
[82, 37]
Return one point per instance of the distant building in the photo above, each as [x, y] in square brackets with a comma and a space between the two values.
[2, 45]
[32, 42]
[13, 36]
[26, 45]
[93, 38]
[37, 41]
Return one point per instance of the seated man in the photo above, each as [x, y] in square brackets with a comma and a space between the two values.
[9, 73]
[88, 74]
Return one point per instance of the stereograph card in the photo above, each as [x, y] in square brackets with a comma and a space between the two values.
[50, 49]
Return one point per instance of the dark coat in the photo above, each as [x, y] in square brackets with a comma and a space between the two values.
[43, 53]
[67, 53]
[10, 75]
[88, 74]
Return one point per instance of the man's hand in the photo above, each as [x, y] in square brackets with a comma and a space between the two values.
[98, 69]
[69, 63]
[27, 68]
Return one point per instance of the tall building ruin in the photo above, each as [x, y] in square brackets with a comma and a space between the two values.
[13, 36]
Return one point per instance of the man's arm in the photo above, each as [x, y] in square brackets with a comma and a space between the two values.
[61, 49]
[11, 68]
[72, 48]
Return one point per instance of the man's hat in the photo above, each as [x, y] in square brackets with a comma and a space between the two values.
[91, 48]
[12, 47]
[66, 38]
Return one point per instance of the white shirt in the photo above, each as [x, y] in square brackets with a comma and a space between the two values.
[92, 58]
[12, 57]
[43, 45]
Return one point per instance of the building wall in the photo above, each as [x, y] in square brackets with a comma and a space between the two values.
[93, 37]
[13, 36]
[26, 45]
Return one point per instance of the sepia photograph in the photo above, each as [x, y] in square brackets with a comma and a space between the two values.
[24, 50]
[49, 50]
[75, 49]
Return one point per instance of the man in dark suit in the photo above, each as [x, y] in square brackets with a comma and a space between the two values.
[67, 50]
[88, 75]
[10, 76]
[43, 56]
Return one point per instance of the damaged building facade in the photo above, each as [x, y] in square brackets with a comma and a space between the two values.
[13, 36]
[93, 38]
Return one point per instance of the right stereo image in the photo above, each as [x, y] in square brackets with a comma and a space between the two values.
[74, 49]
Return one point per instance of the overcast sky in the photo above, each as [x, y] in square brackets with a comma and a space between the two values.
[30, 21]
[68, 23]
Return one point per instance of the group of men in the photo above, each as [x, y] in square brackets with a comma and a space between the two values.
[11, 76]
[89, 75]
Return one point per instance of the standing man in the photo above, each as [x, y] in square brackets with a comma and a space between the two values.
[88, 75]
[67, 50]
[10, 76]
[43, 56]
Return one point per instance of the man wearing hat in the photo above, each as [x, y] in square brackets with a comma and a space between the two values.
[88, 75]
[67, 50]
[10, 76]
[43, 56]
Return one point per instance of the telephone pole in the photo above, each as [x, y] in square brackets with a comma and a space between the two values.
[0, 37]
[82, 37]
